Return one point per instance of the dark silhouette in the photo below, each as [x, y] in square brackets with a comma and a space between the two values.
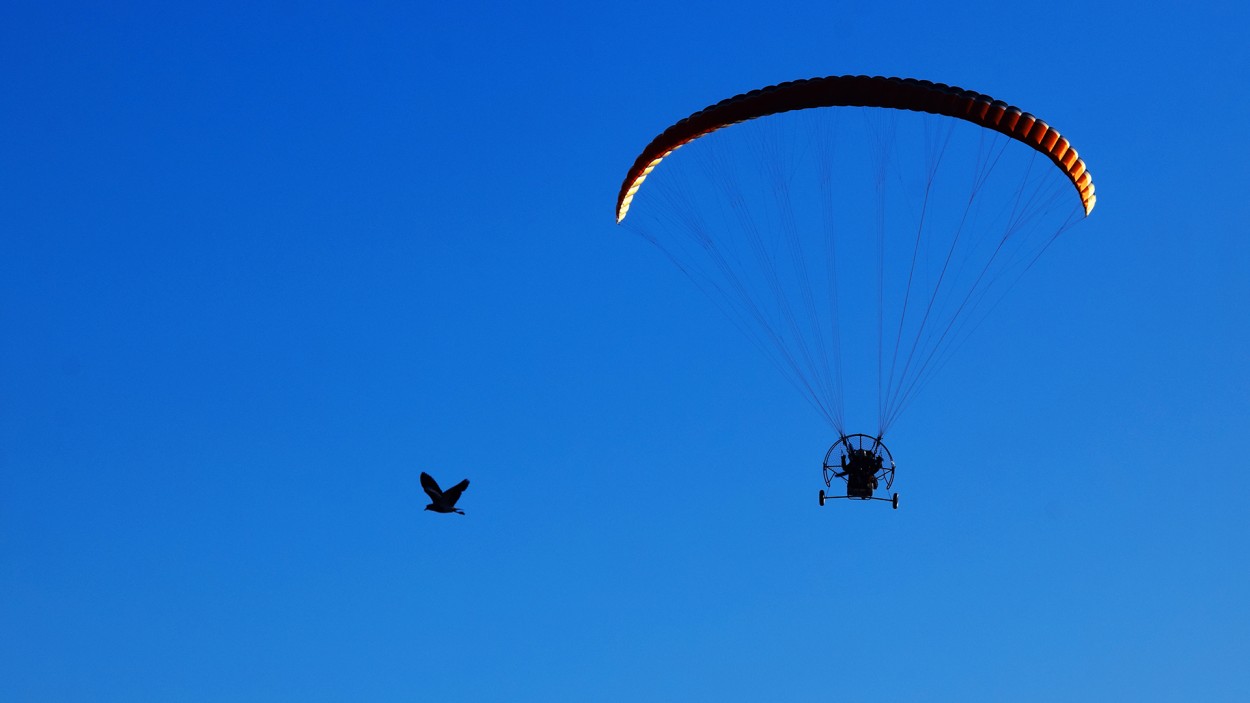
[442, 501]
[860, 473]
[864, 468]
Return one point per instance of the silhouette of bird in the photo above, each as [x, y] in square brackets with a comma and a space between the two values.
[442, 501]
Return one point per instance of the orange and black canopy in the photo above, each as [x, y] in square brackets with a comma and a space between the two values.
[864, 91]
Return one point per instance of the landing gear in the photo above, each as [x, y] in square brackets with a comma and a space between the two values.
[893, 501]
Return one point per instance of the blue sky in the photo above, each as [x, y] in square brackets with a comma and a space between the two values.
[261, 264]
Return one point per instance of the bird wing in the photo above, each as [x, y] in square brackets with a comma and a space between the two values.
[431, 487]
[453, 494]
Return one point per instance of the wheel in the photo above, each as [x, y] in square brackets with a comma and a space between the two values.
[896, 501]
[822, 497]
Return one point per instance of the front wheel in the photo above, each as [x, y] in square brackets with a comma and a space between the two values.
[895, 501]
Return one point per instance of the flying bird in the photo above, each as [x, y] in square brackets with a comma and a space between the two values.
[442, 501]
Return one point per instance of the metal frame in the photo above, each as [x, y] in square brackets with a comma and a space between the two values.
[839, 450]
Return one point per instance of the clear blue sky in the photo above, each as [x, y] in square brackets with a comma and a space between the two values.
[263, 263]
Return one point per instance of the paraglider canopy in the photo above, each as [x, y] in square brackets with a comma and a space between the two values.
[864, 91]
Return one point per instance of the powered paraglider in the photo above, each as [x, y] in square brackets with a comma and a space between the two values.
[852, 222]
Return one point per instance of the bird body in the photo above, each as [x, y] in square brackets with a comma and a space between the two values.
[442, 501]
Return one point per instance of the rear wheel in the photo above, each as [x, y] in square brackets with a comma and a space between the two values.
[895, 501]
[822, 497]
